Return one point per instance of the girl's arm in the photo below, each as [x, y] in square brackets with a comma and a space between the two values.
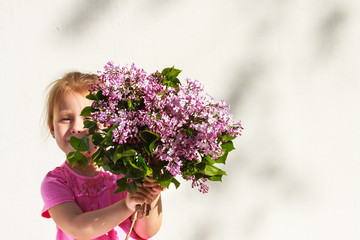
[73, 221]
[147, 227]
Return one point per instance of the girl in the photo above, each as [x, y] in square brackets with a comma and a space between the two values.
[81, 201]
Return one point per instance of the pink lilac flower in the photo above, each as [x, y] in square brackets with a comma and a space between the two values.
[187, 120]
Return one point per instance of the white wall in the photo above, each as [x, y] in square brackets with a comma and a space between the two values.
[288, 68]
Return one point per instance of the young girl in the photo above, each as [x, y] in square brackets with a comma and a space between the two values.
[81, 201]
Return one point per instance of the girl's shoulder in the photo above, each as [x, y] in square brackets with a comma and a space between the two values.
[58, 173]
[83, 185]
[64, 171]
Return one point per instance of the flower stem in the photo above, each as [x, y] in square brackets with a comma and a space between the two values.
[133, 221]
[143, 209]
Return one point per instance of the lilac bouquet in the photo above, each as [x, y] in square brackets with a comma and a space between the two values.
[151, 124]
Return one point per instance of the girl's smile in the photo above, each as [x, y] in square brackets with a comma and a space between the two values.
[67, 120]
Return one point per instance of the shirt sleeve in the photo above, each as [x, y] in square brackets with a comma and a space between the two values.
[55, 189]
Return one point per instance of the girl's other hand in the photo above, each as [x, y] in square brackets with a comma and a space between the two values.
[141, 196]
[153, 186]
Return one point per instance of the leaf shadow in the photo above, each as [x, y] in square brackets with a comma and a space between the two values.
[83, 15]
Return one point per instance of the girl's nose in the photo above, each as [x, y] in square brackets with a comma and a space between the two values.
[75, 131]
[78, 127]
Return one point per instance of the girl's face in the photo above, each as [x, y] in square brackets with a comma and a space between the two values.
[68, 122]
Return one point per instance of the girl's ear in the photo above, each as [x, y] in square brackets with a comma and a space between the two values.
[52, 130]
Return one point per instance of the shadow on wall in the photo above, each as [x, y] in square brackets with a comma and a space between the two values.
[268, 170]
[265, 168]
[263, 164]
[83, 14]
[329, 30]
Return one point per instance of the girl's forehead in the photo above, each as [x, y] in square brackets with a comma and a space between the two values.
[70, 100]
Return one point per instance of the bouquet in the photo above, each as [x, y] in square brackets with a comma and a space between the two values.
[152, 125]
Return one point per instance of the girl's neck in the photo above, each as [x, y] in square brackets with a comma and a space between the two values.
[90, 170]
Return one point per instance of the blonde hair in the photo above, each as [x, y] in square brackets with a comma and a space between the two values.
[73, 81]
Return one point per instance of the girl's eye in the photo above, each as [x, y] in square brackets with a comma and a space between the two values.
[87, 119]
[65, 119]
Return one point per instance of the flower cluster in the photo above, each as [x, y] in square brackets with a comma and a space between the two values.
[175, 129]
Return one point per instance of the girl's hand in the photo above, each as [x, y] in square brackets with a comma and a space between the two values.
[148, 226]
[153, 186]
[149, 191]
[141, 196]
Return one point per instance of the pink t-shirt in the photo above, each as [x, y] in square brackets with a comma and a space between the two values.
[90, 193]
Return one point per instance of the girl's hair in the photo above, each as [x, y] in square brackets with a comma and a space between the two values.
[73, 81]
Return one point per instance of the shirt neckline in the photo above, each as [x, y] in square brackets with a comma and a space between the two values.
[81, 176]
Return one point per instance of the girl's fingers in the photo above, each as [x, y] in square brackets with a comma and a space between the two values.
[141, 192]
[149, 184]
[158, 188]
[153, 184]
[155, 189]
[142, 195]
[157, 192]
[146, 192]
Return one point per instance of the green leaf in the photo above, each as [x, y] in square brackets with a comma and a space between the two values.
[208, 160]
[131, 187]
[171, 72]
[165, 179]
[165, 71]
[74, 156]
[116, 168]
[200, 167]
[97, 139]
[122, 151]
[129, 153]
[170, 77]
[117, 154]
[227, 137]
[175, 182]
[222, 159]
[91, 97]
[130, 105]
[172, 82]
[149, 138]
[141, 161]
[108, 137]
[86, 143]
[134, 169]
[80, 144]
[190, 132]
[216, 178]
[121, 183]
[91, 125]
[142, 164]
[96, 97]
[157, 167]
[174, 72]
[86, 112]
[122, 104]
[134, 172]
[189, 168]
[227, 146]
[213, 171]
[77, 158]
[199, 175]
[99, 157]
[99, 95]
[130, 162]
